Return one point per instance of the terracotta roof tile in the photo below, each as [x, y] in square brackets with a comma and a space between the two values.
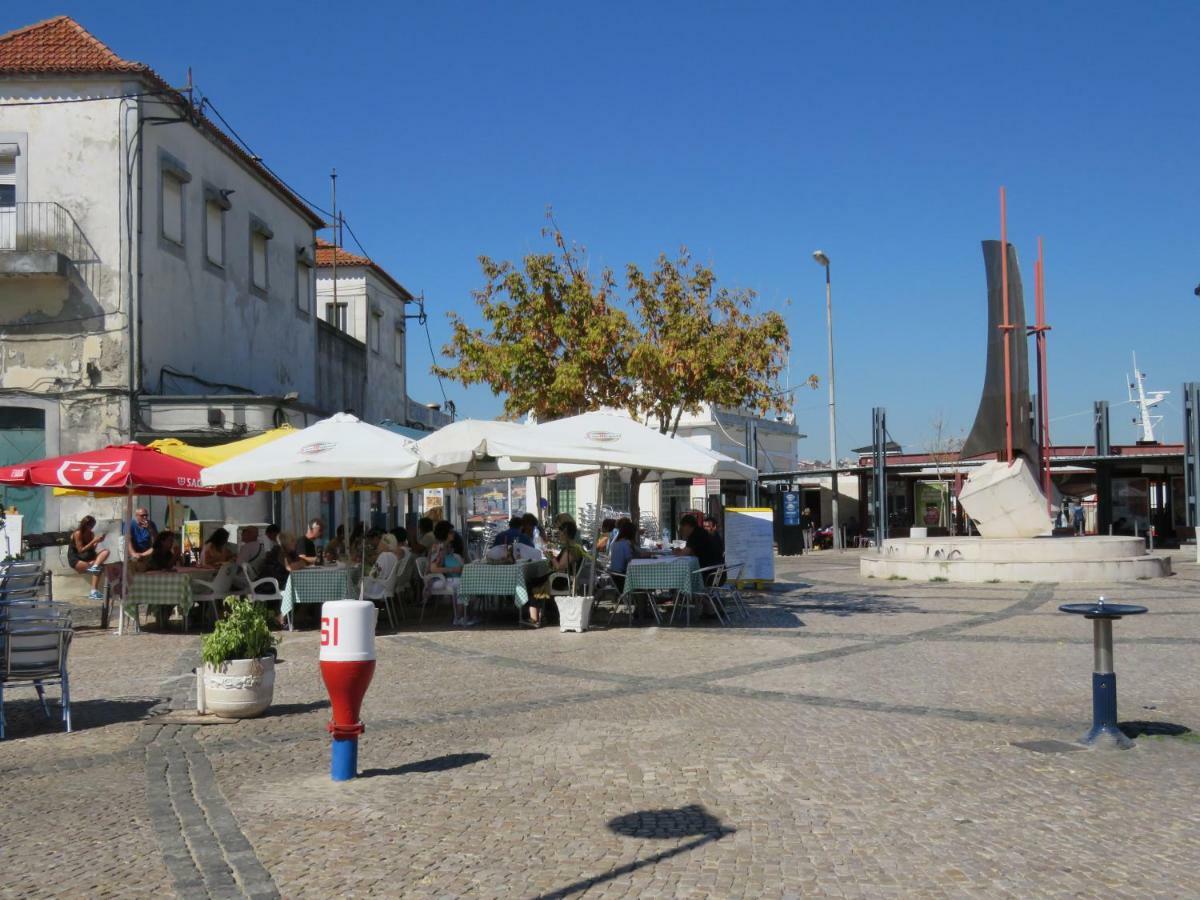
[63, 46]
[326, 252]
[325, 255]
[59, 45]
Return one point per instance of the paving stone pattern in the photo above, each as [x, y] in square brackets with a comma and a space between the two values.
[855, 738]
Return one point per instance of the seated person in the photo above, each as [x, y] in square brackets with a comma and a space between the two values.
[608, 534]
[164, 554]
[532, 529]
[336, 549]
[82, 555]
[307, 545]
[700, 544]
[449, 565]
[441, 535]
[217, 551]
[622, 550]
[250, 550]
[425, 538]
[571, 552]
[390, 558]
[710, 525]
[293, 560]
[139, 540]
[513, 534]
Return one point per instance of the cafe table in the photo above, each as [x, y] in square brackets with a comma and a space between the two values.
[678, 574]
[493, 579]
[159, 589]
[317, 584]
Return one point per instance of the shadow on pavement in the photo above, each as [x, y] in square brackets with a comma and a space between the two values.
[436, 764]
[296, 709]
[654, 824]
[24, 716]
[1153, 729]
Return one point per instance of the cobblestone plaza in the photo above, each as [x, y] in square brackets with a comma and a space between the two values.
[854, 738]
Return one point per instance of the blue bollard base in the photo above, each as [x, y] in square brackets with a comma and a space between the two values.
[343, 764]
[1106, 737]
[1104, 732]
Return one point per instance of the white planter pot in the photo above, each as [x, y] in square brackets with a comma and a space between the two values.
[574, 613]
[239, 688]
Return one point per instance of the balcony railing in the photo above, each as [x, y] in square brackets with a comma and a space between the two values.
[48, 227]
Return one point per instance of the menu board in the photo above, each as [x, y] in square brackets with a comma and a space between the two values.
[750, 540]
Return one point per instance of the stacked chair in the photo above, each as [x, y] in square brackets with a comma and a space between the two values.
[35, 635]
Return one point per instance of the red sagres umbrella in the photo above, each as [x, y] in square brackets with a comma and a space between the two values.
[124, 469]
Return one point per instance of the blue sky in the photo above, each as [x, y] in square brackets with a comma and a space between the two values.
[753, 133]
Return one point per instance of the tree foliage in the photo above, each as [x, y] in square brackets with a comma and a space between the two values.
[697, 343]
[554, 343]
[558, 341]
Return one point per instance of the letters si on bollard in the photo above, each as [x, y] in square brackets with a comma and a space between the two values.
[347, 664]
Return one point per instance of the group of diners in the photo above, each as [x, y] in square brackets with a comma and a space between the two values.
[701, 539]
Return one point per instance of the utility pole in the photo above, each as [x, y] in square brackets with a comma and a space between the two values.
[333, 190]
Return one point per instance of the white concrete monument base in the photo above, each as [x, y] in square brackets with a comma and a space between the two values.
[976, 559]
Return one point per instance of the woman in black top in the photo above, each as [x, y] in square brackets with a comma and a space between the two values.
[84, 556]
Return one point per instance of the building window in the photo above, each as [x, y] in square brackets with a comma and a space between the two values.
[260, 241]
[303, 288]
[171, 202]
[214, 233]
[335, 315]
[398, 346]
[8, 197]
[216, 204]
[374, 329]
[8, 178]
[304, 280]
[172, 198]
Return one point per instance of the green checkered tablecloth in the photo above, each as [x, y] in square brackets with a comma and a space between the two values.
[317, 585]
[680, 573]
[161, 589]
[483, 579]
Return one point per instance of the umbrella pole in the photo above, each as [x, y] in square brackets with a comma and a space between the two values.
[362, 572]
[596, 534]
[125, 563]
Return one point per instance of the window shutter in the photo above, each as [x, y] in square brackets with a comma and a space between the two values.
[8, 166]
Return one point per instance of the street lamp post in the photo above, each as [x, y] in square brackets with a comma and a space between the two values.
[823, 261]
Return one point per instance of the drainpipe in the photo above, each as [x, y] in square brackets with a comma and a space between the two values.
[135, 294]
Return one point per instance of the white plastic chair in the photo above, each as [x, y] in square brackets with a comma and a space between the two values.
[273, 594]
[383, 589]
[434, 586]
[216, 590]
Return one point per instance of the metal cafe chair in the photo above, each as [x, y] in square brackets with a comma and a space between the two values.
[33, 651]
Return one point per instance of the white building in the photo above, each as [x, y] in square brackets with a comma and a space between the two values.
[156, 279]
[771, 444]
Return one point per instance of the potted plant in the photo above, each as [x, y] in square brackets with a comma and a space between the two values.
[238, 679]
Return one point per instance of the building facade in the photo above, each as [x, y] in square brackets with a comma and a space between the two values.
[157, 279]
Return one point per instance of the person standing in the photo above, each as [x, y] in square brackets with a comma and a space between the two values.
[1077, 513]
[806, 529]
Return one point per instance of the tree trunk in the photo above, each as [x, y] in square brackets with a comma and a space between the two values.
[636, 477]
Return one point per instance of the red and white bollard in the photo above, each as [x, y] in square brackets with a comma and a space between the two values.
[347, 665]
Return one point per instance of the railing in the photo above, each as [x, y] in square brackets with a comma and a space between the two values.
[46, 226]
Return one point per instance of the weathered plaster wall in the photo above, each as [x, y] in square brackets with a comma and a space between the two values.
[205, 320]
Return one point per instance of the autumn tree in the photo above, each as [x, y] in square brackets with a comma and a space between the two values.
[554, 343]
[698, 343]
[558, 341]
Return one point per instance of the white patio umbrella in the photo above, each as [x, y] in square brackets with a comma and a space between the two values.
[461, 452]
[605, 442]
[341, 447]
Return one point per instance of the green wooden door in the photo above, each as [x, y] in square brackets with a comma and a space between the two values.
[23, 439]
